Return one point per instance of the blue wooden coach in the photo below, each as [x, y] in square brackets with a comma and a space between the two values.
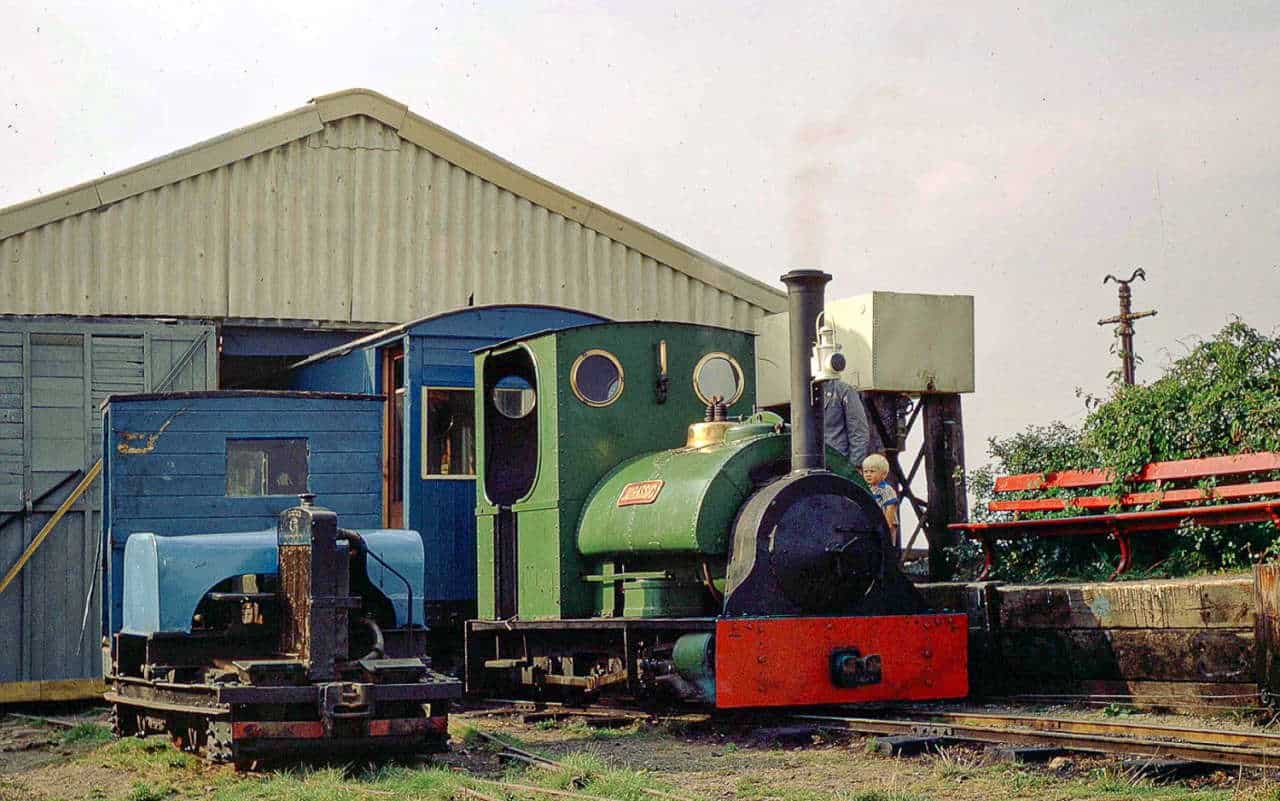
[231, 461]
[425, 370]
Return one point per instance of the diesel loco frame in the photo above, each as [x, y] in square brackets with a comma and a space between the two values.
[245, 642]
[273, 670]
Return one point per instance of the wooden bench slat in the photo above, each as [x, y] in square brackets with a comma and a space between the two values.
[1139, 517]
[1228, 492]
[1063, 479]
[1157, 520]
[1156, 471]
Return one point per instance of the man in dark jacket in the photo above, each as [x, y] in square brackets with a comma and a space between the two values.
[844, 421]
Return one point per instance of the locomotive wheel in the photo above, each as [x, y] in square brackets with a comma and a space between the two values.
[124, 721]
[187, 733]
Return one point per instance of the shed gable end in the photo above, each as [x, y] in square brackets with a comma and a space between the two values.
[351, 210]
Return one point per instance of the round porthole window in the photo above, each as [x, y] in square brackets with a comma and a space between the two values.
[718, 375]
[596, 378]
[514, 398]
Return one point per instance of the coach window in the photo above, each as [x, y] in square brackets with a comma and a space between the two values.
[448, 433]
[266, 467]
[514, 398]
[596, 378]
[718, 375]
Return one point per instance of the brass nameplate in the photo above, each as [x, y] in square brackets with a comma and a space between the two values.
[638, 492]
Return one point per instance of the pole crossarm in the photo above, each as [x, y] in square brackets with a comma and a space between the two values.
[1124, 323]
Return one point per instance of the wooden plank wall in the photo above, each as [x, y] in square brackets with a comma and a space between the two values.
[1183, 644]
[54, 372]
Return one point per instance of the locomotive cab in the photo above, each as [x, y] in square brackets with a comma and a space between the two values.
[669, 540]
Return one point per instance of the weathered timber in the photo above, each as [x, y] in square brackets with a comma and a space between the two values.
[21, 692]
[978, 599]
[1266, 581]
[1162, 770]
[1186, 644]
[1203, 655]
[1177, 696]
[795, 735]
[944, 477]
[1029, 753]
[907, 744]
[1217, 602]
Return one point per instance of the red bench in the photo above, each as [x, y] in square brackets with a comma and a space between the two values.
[1165, 507]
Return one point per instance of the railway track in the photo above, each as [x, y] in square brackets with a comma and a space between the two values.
[1208, 746]
[1127, 738]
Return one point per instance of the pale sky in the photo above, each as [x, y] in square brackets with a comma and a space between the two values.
[1015, 153]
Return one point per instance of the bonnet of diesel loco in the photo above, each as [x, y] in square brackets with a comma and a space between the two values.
[748, 516]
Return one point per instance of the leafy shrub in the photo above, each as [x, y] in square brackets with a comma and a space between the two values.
[1222, 397]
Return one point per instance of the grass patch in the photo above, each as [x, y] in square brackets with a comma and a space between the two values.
[1115, 784]
[140, 754]
[582, 773]
[589, 774]
[417, 783]
[143, 791]
[13, 790]
[473, 739]
[86, 733]
[469, 737]
[957, 763]
[752, 788]
[336, 784]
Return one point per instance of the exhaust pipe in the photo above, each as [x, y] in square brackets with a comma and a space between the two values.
[805, 290]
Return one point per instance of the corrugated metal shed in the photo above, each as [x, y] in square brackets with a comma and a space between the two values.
[53, 376]
[349, 209]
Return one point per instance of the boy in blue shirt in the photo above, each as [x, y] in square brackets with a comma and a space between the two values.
[875, 471]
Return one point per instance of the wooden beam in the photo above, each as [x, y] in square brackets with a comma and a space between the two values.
[1196, 655]
[1266, 597]
[1181, 696]
[944, 475]
[1216, 602]
[27, 692]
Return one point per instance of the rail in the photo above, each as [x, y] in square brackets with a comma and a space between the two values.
[1195, 745]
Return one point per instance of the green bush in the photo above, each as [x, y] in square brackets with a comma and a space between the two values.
[1222, 397]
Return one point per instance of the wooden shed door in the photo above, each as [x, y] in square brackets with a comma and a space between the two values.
[393, 437]
[53, 376]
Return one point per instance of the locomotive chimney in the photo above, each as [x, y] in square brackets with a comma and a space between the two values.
[805, 289]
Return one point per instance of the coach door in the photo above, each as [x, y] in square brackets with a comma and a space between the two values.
[393, 389]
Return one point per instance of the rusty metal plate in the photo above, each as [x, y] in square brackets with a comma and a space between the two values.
[763, 662]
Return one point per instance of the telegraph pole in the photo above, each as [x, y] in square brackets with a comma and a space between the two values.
[1124, 322]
